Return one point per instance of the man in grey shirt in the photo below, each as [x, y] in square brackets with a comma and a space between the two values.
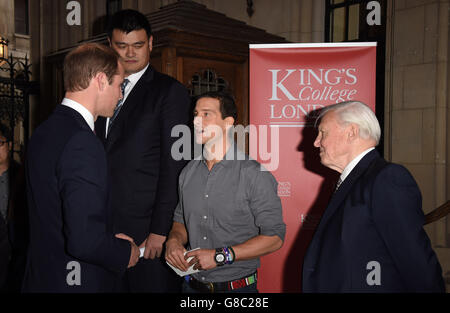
[228, 207]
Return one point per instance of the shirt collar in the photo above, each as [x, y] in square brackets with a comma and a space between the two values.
[88, 117]
[233, 154]
[350, 166]
[134, 78]
[6, 173]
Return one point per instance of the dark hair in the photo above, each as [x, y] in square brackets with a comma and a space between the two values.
[226, 100]
[85, 61]
[128, 21]
[5, 132]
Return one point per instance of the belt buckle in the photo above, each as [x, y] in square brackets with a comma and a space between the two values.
[210, 286]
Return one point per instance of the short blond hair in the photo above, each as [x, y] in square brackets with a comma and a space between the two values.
[85, 61]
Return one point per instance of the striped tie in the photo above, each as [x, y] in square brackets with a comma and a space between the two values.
[119, 104]
[339, 182]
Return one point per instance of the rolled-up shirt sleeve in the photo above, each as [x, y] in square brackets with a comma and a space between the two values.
[266, 205]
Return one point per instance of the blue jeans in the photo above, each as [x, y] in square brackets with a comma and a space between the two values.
[247, 289]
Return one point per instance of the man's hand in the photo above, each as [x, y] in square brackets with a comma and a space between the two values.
[175, 255]
[153, 246]
[135, 253]
[202, 258]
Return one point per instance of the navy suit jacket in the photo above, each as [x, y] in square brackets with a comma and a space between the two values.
[144, 176]
[69, 216]
[371, 236]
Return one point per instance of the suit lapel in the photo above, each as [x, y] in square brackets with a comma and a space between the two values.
[346, 186]
[135, 97]
[100, 127]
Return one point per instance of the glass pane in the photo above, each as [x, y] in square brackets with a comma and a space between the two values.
[21, 16]
[338, 25]
[353, 22]
[207, 81]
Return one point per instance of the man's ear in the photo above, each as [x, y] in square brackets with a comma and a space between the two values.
[100, 80]
[150, 43]
[353, 132]
[229, 121]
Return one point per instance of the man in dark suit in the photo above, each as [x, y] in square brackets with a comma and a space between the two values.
[13, 216]
[138, 143]
[371, 236]
[72, 247]
[5, 184]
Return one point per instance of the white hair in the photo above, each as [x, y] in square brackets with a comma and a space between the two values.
[356, 112]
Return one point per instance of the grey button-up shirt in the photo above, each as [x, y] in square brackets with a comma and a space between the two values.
[226, 206]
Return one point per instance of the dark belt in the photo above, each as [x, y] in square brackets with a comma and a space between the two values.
[209, 287]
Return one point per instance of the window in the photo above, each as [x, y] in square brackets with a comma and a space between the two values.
[21, 16]
[207, 81]
[343, 19]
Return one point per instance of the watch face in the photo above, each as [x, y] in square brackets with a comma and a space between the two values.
[220, 258]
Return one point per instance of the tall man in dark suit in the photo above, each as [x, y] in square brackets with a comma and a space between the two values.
[138, 143]
[371, 236]
[72, 247]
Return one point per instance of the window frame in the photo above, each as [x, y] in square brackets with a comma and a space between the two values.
[26, 17]
[366, 33]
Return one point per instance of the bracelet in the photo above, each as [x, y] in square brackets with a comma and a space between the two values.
[229, 255]
[232, 251]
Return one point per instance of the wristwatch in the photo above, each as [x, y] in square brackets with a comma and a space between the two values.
[220, 257]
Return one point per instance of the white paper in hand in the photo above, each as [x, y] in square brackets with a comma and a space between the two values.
[189, 271]
[142, 252]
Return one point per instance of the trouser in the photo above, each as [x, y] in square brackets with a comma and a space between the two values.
[153, 276]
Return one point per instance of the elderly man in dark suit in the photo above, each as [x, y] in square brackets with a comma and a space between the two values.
[72, 247]
[138, 143]
[371, 236]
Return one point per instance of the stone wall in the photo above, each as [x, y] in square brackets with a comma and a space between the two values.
[417, 105]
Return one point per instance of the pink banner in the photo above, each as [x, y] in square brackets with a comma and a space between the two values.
[288, 83]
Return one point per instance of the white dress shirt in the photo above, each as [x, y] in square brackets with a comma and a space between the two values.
[350, 166]
[88, 117]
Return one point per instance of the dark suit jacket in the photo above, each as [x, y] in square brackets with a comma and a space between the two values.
[12, 229]
[375, 215]
[18, 225]
[69, 217]
[144, 176]
[5, 252]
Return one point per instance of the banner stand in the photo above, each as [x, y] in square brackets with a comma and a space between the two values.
[289, 84]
